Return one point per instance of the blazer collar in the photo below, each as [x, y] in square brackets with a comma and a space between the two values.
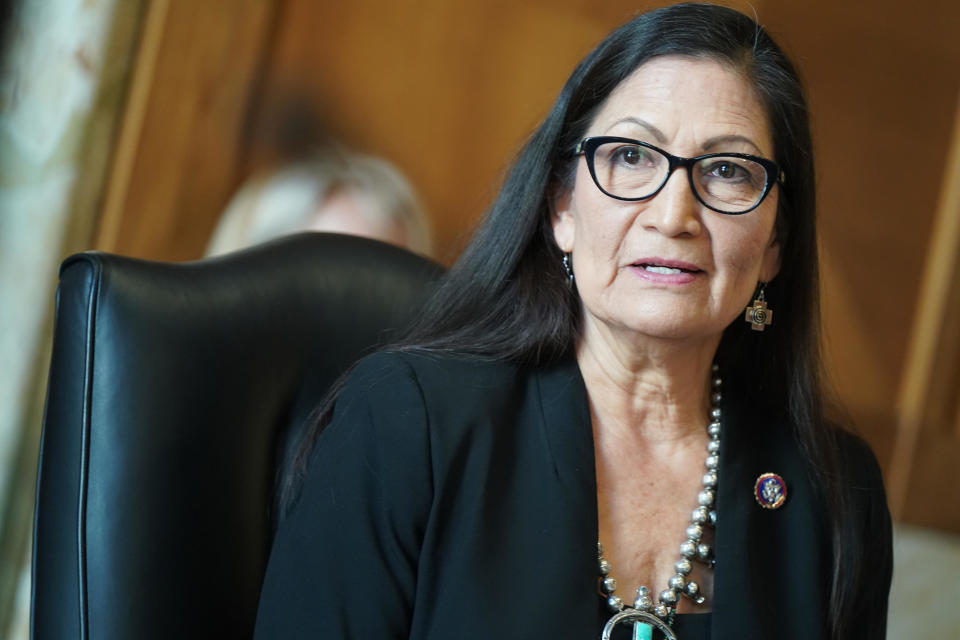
[567, 432]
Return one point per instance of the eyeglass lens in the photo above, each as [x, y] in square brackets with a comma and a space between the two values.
[632, 171]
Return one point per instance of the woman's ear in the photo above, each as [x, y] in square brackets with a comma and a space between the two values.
[561, 218]
[770, 266]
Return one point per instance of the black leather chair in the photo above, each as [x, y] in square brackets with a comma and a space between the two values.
[175, 391]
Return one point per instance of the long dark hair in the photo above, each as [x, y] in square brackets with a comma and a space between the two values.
[507, 297]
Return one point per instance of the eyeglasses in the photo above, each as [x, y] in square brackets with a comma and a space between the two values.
[627, 169]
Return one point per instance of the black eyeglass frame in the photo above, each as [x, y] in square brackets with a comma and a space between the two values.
[588, 147]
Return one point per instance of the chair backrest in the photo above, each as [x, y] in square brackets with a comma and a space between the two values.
[172, 394]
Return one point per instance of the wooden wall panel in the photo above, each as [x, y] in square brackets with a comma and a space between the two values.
[178, 151]
[928, 438]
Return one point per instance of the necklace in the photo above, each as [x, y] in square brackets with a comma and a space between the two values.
[644, 614]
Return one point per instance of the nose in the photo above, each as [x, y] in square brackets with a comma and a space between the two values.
[674, 210]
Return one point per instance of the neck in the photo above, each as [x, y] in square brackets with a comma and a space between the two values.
[652, 390]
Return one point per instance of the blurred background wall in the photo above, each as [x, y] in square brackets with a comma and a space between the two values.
[210, 92]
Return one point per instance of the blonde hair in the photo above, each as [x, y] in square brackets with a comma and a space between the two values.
[283, 201]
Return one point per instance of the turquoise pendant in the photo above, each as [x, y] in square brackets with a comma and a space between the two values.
[642, 631]
[643, 625]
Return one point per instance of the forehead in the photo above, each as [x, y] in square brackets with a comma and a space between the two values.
[687, 102]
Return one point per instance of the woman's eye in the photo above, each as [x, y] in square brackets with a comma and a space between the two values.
[629, 155]
[726, 170]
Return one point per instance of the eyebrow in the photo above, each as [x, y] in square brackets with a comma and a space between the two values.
[662, 139]
[711, 143]
[720, 140]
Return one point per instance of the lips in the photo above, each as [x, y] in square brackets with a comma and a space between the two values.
[665, 267]
[662, 272]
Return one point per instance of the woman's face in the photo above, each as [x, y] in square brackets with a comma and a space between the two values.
[668, 266]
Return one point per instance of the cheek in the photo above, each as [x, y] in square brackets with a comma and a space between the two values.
[601, 225]
[599, 248]
[743, 249]
[749, 252]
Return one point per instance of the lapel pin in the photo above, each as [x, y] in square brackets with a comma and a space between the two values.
[770, 491]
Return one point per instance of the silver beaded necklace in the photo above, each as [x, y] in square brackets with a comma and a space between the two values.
[644, 614]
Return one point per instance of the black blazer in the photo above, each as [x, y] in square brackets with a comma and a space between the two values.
[455, 499]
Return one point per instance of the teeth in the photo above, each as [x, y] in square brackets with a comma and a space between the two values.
[663, 270]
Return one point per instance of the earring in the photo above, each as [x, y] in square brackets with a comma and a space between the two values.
[759, 315]
[568, 269]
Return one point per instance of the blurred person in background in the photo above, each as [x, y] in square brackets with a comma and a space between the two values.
[334, 190]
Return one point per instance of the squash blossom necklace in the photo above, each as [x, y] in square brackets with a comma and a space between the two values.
[644, 615]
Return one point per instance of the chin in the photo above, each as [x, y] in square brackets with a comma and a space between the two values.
[656, 328]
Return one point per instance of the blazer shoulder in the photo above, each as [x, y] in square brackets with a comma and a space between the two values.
[436, 375]
[858, 460]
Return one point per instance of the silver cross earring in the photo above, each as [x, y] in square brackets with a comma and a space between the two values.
[758, 314]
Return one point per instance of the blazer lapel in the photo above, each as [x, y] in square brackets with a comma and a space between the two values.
[772, 564]
[567, 436]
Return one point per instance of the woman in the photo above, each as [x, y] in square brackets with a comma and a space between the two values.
[585, 372]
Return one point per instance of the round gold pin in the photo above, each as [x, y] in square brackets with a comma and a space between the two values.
[770, 491]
